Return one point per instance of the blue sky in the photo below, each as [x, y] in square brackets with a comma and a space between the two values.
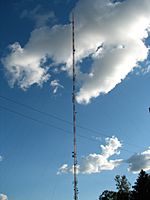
[112, 96]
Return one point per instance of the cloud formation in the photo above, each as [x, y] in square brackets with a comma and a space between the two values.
[55, 85]
[41, 19]
[24, 68]
[112, 34]
[95, 163]
[139, 161]
[3, 197]
[1, 158]
[121, 29]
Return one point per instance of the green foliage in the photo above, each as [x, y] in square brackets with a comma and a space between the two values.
[123, 187]
[141, 189]
[108, 195]
[122, 184]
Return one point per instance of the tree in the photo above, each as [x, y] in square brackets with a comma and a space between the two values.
[108, 195]
[141, 188]
[123, 190]
[123, 187]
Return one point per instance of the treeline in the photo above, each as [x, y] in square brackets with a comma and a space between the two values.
[124, 191]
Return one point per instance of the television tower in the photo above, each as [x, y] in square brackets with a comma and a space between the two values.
[74, 153]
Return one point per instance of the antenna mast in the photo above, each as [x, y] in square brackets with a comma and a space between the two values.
[74, 112]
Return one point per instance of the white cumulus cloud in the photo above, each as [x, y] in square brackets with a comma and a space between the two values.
[3, 197]
[112, 34]
[24, 68]
[121, 28]
[139, 161]
[95, 163]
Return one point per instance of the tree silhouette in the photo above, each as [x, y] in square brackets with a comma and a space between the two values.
[123, 190]
[123, 187]
[141, 188]
[108, 195]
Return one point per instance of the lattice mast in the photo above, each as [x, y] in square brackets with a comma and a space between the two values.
[74, 111]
